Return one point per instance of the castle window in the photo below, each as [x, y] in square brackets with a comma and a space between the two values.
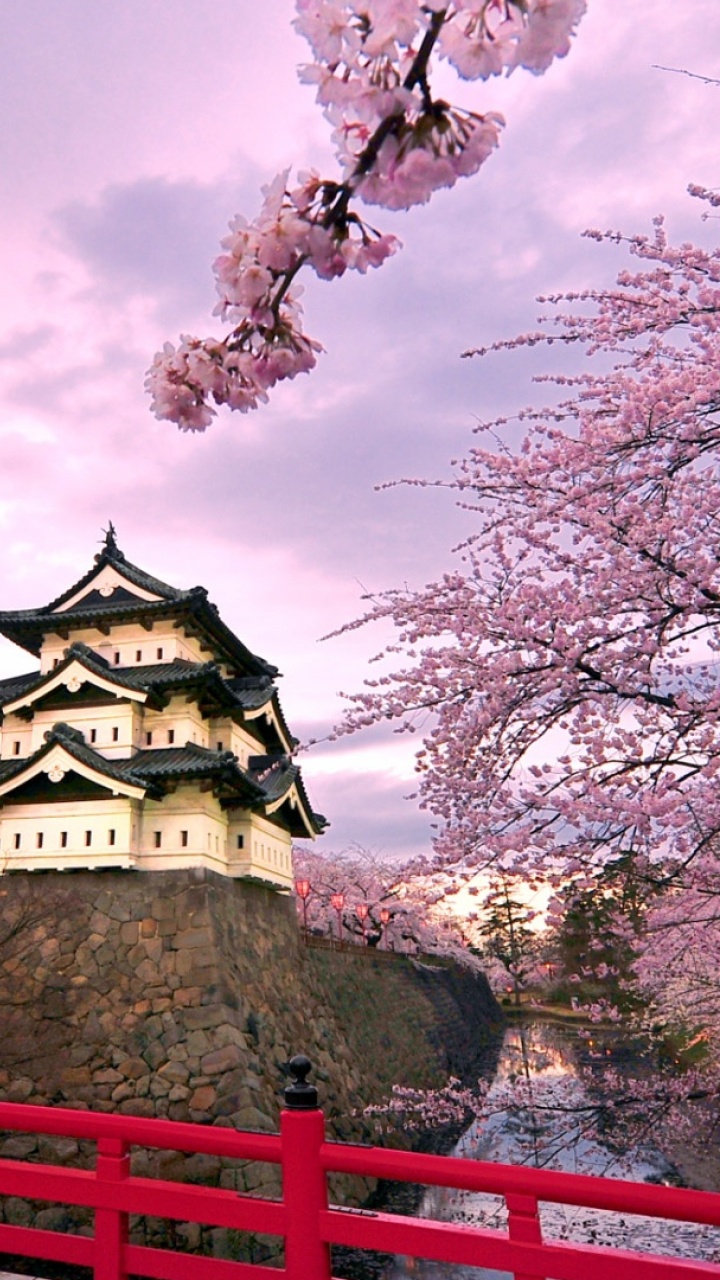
[56, 663]
[184, 839]
[16, 748]
[39, 840]
[88, 837]
[219, 746]
[241, 842]
[171, 736]
[17, 839]
[93, 735]
[116, 658]
[159, 653]
[115, 733]
[138, 655]
[148, 738]
[63, 839]
[158, 838]
[111, 836]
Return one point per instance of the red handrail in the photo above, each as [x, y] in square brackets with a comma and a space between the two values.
[303, 1218]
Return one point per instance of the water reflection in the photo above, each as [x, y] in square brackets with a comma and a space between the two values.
[538, 1062]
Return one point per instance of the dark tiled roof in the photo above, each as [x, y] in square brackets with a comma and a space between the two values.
[111, 555]
[74, 743]
[9, 767]
[27, 627]
[276, 775]
[145, 769]
[167, 761]
[247, 694]
[251, 692]
[91, 661]
[13, 686]
[180, 671]
[193, 762]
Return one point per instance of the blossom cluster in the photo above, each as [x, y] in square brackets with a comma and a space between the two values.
[255, 276]
[396, 145]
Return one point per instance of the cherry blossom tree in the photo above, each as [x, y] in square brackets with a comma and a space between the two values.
[565, 673]
[396, 144]
[677, 962]
[367, 901]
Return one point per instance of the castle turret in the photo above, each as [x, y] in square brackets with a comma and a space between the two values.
[150, 737]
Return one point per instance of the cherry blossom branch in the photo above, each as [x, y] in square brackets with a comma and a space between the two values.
[396, 146]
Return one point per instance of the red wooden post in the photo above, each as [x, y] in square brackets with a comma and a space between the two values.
[111, 1225]
[302, 1126]
[524, 1226]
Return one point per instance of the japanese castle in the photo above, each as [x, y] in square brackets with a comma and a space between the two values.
[149, 738]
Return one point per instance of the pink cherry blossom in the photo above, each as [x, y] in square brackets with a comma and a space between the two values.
[418, 920]
[569, 665]
[396, 145]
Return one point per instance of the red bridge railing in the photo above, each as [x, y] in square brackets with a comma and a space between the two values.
[304, 1219]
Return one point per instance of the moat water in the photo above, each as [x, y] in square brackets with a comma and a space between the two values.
[545, 1055]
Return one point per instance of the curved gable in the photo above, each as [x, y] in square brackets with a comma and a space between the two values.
[44, 772]
[294, 811]
[106, 586]
[68, 680]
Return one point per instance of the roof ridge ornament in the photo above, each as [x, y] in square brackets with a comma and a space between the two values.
[62, 732]
[109, 544]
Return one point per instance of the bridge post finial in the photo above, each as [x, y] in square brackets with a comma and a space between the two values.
[300, 1096]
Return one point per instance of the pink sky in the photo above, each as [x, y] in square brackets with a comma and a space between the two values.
[130, 134]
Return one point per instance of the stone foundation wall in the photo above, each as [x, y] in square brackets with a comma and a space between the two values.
[183, 994]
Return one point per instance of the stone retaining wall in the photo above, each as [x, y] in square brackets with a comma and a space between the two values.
[183, 994]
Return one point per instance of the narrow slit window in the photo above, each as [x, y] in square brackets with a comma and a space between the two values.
[171, 736]
[63, 839]
[56, 663]
[93, 735]
[219, 746]
[17, 840]
[184, 839]
[115, 733]
[158, 839]
[148, 738]
[39, 840]
[241, 842]
[159, 654]
[16, 748]
[138, 655]
[111, 836]
[88, 838]
[116, 658]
